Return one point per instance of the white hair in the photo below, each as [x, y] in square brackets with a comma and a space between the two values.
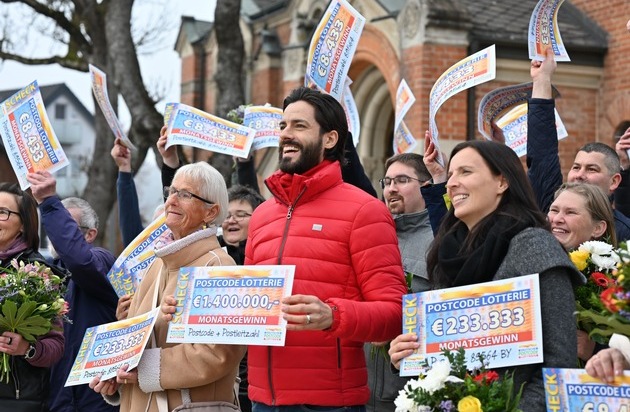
[209, 184]
[88, 217]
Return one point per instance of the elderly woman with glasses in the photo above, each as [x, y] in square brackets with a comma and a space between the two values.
[28, 387]
[243, 201]
[197, 203]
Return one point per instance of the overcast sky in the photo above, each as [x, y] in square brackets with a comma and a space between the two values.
[161, 68]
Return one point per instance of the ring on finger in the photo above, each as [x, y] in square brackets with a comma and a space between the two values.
[125, 381]
[10, 341]
[308, 318]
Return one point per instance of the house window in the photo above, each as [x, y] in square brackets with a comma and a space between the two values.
[60, 111]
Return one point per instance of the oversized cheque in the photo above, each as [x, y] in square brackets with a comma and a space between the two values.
[106, 348]
[332, 48]
[231, 305]
[500, 320]
[27, 135]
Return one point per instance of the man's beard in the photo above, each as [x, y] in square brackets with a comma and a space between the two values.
[309, 157]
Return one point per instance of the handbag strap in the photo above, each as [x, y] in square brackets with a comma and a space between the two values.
[160, 397]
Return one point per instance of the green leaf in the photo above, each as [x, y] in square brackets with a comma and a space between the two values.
[9, 309]
[32, 327]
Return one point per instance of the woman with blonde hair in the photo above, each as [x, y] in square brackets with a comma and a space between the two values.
[581, 212]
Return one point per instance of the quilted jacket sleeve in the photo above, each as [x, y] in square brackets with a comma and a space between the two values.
[543, 162]
[377, 264]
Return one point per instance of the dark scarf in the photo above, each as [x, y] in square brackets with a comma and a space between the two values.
[17, 246]
[479, 264]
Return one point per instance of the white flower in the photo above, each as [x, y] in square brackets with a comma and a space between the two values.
[404, 403]
[596, 247]
[437, 376]
[604, 262]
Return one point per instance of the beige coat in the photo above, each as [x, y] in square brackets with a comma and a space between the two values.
[208, 370]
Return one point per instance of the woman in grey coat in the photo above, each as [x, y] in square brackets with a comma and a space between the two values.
[494, 231]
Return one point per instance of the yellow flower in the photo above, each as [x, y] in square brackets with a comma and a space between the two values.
[579, 258]
[469, 404]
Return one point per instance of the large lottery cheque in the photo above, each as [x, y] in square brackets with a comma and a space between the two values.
[129, 268]
[266, 121]
[231, 304]
[28, 136]
[189, 126]
[499, 320]
[332, 48]
[544, 33]
[466, 73]
[514, 127]
[105, 348]
[573, 390]
[99, 88]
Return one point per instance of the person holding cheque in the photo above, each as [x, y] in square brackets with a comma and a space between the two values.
[495, 231]
[196, 203]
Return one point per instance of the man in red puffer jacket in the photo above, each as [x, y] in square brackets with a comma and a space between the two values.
[348, 279]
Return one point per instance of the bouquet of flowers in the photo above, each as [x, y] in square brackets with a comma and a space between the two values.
[616, 297]
[449, 387]
[31, 297]
[597, 261]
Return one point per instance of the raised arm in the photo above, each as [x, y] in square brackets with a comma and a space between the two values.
[130, 222]
[543, 162]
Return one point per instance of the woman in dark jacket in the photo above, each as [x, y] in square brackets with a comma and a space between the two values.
[28, 387]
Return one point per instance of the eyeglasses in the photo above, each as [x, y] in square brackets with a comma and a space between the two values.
[401, 180]
[183, 194]
[5, 214]
[238, 216]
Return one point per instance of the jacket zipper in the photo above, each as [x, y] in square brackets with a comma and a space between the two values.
[291, 207]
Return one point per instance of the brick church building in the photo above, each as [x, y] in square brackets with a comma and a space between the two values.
[417, 40]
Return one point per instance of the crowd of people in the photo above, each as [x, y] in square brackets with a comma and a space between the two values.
[352, 252]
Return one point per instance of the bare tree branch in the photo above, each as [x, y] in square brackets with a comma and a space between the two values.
[62, 61]
[59, 18]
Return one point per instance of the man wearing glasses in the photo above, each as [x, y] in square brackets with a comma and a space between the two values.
[405, 175]
[72, 227]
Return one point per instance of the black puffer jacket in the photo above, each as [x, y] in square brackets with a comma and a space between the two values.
[29, 386]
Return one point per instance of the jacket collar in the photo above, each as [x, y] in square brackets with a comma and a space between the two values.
[411, 221]
[286, 187]
[188, 249]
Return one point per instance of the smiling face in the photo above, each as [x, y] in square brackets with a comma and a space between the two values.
[474, 191]
[11, 228]
[301, 144]
[405, 197]
[571, 222]
[185, 216]
[235, 229]
[590, 167]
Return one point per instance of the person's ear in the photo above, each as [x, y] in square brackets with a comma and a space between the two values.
[211, 214]
[615, 180]
[90, 235]
[503, 185]
[330, 139]
[599, 229]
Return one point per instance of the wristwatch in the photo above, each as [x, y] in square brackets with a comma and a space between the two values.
[30, 353]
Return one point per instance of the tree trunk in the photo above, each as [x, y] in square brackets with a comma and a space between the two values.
[229, 71]
[146, 120]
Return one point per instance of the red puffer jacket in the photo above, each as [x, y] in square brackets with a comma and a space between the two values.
[344, 246]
